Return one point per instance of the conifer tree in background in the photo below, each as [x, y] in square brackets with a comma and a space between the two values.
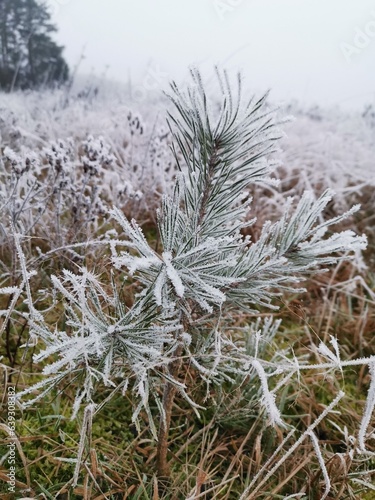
[29, 58]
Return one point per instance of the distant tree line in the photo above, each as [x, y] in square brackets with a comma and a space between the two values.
[29, 57]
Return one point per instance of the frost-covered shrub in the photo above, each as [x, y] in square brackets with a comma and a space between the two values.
[181, 314]
[62, 192]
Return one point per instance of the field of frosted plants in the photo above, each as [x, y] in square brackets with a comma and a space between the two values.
[187, 287]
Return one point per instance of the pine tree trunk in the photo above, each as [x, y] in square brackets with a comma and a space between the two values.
[162, 464]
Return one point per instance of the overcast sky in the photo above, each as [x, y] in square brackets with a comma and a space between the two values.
[317, 51]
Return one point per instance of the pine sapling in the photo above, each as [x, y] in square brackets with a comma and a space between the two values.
[206, 270]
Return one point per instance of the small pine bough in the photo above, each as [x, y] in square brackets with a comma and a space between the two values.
[207, 270]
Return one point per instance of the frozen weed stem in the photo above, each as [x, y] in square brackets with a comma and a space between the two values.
[206, 269]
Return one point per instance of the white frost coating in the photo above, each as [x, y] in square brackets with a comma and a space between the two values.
[325, 351]
[268, 398]
[8, 290]
[173, 274]
[159, 283]
[319, 455]
[140, 263]
[369, 408]
[85, 435]
[333, 341]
